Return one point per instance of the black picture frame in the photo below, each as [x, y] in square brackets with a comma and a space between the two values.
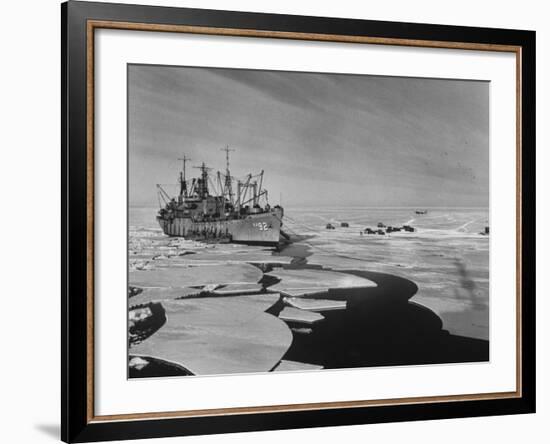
[77, 425]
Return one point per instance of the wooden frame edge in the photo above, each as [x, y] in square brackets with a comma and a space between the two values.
[90, 128]
[91, 25]
[519, 220]
[337, 38]
[284, 408]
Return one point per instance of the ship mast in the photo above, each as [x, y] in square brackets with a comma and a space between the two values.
[228, 187]
[183, 181]
[203, 181]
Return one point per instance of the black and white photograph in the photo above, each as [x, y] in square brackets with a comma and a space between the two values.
[286, 221]
[275, 222]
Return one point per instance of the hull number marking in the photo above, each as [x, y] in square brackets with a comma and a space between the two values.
[262, 226]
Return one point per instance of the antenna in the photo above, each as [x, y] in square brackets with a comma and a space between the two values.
[228, 187]
[183, 182]
[227, 151]
[184, 160]
[202, 167]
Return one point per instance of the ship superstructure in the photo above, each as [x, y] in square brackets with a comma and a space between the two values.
[221, 207]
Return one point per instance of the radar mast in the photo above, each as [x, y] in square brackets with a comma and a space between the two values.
[228, 187]
[203, 181]
[183, 180]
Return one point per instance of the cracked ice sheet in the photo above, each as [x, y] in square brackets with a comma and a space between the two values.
[315, 281]
[196, 275]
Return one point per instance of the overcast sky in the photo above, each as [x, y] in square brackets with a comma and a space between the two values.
[322, 139]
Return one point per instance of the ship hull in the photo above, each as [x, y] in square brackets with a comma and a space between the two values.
[259, 229]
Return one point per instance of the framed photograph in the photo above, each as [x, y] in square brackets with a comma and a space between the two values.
[276, 221]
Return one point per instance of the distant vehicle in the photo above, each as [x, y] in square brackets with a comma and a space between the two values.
[344, 225]
[421, 211]
[408, 228]
[381, 232]
[380, 225]
[330, 227]
[392, 229]
[369, 231]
